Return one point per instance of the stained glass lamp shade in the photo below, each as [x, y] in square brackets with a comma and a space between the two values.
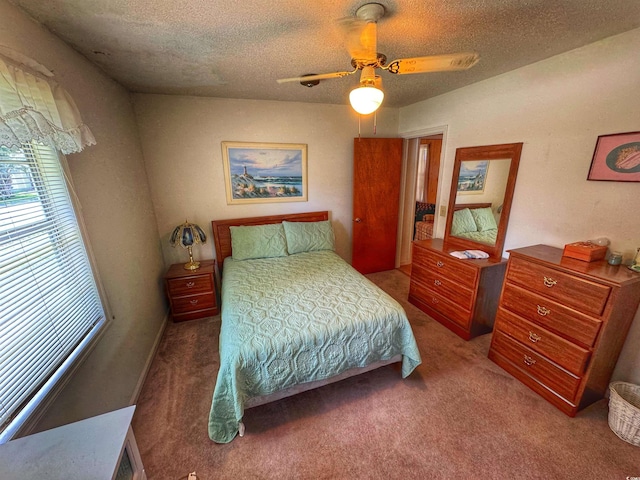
[186, 235]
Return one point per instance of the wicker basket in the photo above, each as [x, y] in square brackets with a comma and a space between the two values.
[624, 411]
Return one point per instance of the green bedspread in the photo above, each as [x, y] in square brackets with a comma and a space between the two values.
[296, 319]
[486, 236]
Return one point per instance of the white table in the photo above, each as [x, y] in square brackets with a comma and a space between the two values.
[90, 449]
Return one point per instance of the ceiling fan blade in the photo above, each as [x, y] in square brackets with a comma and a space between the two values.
[361, 40]
[320, 76]
[433, 63]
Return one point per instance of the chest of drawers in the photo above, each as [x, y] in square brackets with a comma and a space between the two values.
[460, 294]
[561, 324]
[191, 293]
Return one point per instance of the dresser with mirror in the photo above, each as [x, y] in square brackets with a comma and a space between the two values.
[463, 294]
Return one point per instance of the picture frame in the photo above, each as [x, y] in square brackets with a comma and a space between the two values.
[264, 172]
[472, 177]
[616, 158]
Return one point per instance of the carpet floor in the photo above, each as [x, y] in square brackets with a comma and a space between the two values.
[458, 415]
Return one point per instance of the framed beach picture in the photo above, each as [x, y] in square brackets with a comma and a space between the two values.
[616, 158]
[473, 176]
[265, 172]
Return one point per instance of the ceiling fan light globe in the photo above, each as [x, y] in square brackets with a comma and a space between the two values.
[366, 99]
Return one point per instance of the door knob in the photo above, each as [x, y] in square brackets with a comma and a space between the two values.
[357, 220]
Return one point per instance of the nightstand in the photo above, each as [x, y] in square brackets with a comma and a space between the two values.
[192, 293]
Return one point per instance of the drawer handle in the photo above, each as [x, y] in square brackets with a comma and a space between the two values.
[542, 311]
[439, 264]
[437, 282]
[549, 282]
[434, 300]
[529, 361]
[193, 302]
[191, 284]
[534, 338]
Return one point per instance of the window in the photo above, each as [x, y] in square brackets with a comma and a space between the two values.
[421, 175]
[50, 307]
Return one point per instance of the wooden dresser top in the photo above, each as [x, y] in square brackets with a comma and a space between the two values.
[599, 270]
[439, 245]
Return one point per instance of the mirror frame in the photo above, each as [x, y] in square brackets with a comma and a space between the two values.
[505, 151]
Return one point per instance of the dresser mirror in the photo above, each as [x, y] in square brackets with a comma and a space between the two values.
[482, 188]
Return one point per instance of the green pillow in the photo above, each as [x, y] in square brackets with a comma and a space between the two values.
[309, 236]
[484, 219]
[258, 241]
[463, 222]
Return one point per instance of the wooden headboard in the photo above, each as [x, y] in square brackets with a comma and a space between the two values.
[460, 206]
[222, 234]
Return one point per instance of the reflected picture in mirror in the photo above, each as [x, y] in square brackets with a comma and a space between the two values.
[472, 177]
[481, 193]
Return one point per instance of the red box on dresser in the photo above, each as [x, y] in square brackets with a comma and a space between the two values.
[585, 251]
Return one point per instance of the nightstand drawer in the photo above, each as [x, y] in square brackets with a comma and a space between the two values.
[581, 294]
[190, 285]
[566, 354]
[192, 293]
[192, 303]
[536, 366]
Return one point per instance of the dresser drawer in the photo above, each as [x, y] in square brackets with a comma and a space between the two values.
[564, 353]
[192, 303]
[451, 290]
[536, 366]
[543, 311]
[446, 266]
[190, 285]
[583, 295]
[437, 302]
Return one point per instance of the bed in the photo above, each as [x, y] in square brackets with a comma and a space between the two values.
[297, 320]
[475, 221]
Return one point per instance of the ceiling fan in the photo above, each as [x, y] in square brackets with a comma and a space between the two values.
[362, 45]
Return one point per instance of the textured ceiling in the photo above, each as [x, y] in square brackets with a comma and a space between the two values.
[238, 49]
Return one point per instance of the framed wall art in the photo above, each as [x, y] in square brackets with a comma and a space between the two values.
[265, 172]
[616, 158]
[473, 176]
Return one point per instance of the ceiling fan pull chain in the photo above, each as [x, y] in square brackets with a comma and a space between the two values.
[375, 122]
[359, 119]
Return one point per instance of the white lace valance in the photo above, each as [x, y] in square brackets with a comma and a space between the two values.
[34, 107]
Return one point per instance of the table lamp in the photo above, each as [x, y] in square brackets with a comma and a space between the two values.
[186, 235]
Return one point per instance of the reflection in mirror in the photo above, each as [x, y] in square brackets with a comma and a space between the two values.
[480, 200]
[481, 188]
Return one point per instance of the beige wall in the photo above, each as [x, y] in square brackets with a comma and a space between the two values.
[111, 184]
[181, 139]
[557, 107]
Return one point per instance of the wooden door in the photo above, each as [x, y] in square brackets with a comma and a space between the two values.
[377, 168]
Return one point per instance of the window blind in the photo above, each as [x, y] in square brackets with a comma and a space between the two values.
[49, 301]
